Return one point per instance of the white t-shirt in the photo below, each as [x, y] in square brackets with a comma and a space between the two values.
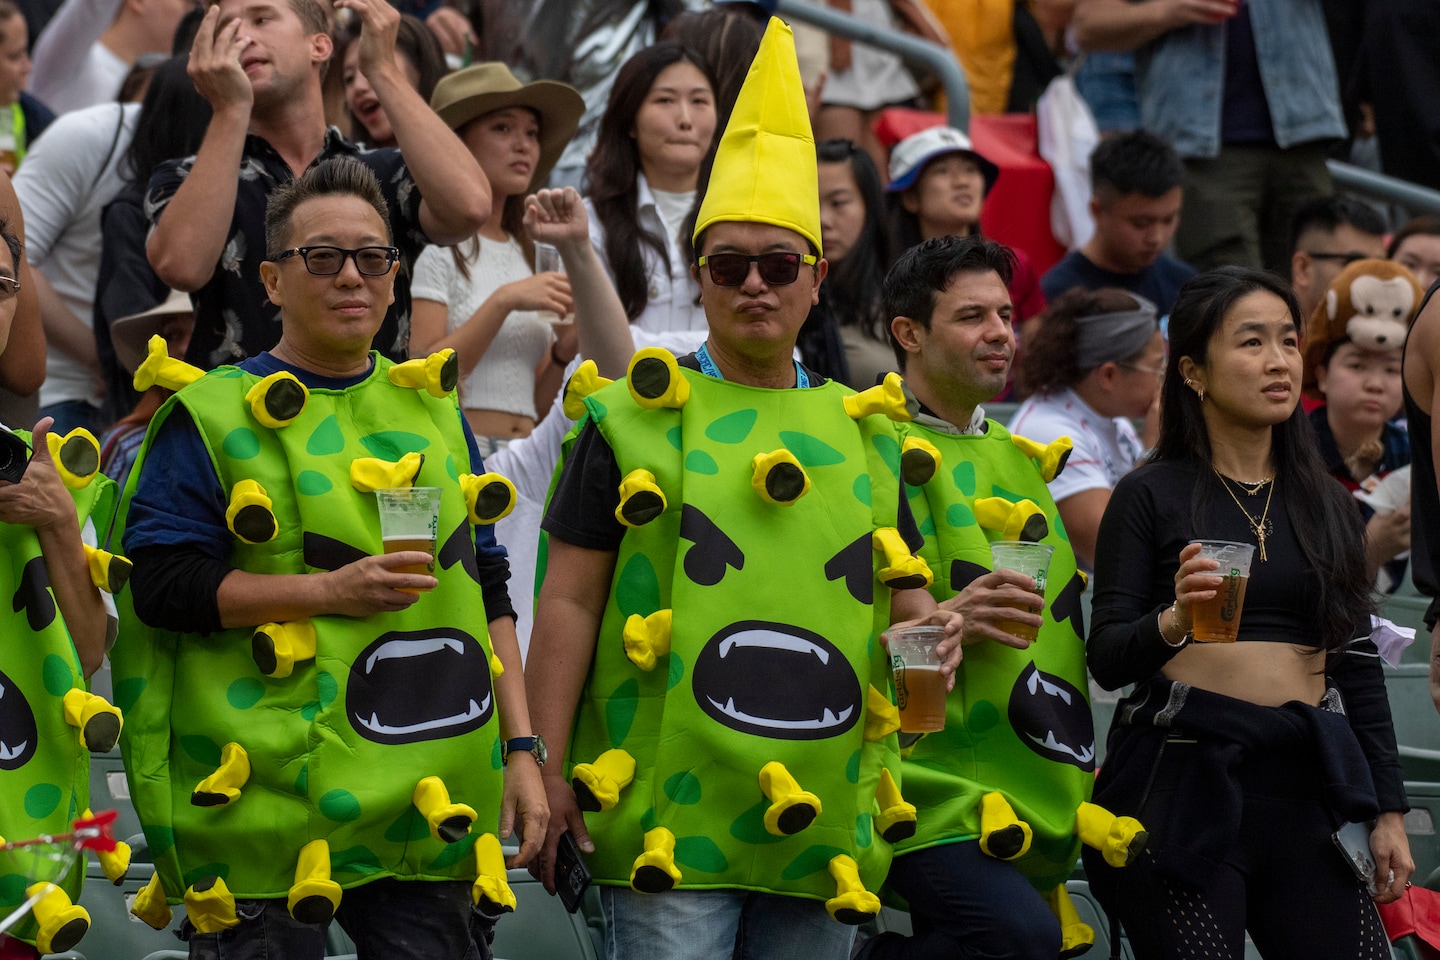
[504, 379]
[71, 68]
[1105, 448]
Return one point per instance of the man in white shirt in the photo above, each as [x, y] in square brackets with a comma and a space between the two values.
[86, 50]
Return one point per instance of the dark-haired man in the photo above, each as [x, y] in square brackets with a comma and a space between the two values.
[1327, 236]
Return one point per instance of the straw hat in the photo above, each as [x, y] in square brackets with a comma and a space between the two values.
[485, 87]
[131, 335]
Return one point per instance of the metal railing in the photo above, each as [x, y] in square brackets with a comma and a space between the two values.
[914, 51]
[1415, 198]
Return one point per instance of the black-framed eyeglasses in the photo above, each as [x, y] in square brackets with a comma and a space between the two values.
[776, 269]
[9, 286]
[326, 261]
[1345, 258]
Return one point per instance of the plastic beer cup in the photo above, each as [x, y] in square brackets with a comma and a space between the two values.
[410, 520]
[919, 686]
[1030, 559]
[1218, 620]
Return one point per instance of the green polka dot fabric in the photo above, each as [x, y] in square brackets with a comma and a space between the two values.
[1018, 721]
[337, 747]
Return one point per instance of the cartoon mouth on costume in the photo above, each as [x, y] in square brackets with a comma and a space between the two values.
[425, 685]
[1052, 717]
[776, 680]
[17, 726]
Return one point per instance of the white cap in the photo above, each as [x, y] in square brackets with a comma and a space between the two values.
[909, 156]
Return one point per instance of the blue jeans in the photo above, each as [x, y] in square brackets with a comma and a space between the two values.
[716, 924]
[70, 414]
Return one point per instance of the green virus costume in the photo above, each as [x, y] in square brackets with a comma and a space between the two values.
[737, 729]
[297, 759]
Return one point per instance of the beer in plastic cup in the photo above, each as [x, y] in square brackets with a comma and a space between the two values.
[547, 260]
[1218, 620]
[1030, 559]
[919, 687]
[410, 520]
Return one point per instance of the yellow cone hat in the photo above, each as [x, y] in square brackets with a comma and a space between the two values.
[765, 170]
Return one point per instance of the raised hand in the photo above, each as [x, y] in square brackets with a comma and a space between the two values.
[215, 59]
[557, 217]
[379, 26]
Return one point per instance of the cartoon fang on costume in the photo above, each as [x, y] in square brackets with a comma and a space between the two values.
[298, 759]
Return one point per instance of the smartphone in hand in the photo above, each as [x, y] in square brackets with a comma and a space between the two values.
[572, 877]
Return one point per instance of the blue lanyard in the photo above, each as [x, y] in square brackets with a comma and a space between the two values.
[707, 367]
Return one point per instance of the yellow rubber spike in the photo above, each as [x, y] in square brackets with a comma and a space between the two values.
[1076, 936]
[76, 456]
[448, 821]
[115, 863]
[158, 369]
[277, 647]
[223, 786]
[1003, 835]
[584, 381]
[920, 460]
[62, 923]
[597, 785]
[778, 477]
[497, 669]
[890, 397]
[641, 499]
[278, 399]
[150, 904]
[647, 639]
[897, 817]
[251, 516]
[436, 374]
[314, 898]
[791, 808]
[1013, 521]
[368, 474]
[1119, 839]
[210, 906]
[108, 571]
[655, 379]
[852, 903]
[654, 870]
[1050, 456]
[491, 892]
[489, 497]
[901, 571]
[882, 717]
[97, 719]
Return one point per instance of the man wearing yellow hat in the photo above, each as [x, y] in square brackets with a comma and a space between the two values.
[727, 541]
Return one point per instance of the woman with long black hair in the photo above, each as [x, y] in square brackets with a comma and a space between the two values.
[1242, 758]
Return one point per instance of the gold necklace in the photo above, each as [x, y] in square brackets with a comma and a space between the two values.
[1252, 489]
[1259, 527]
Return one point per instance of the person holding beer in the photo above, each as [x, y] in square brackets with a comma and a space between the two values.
[1242, 757]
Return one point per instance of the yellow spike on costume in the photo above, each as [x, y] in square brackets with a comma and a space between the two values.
[277, 647]
[896, 821]
[368, 474]
[158, 369]
[497, 669]
[654, 870]
[210, 906]
[778, 477]
[150, 904]
[901, 571]
[791, 808]
[882, 717]
[448, 821]
[108, 571]
[1013, 521]
[436, 374]
[491, 892]
[889, 397]
[655, 379]
[62, 923]
[98, 720]
[919, 461]
[597, 785]
[641, 499]
[765, 169]
[223, 786]
[314, 898]
[584, 381]
[852, 903]
[647, 639]
[76, 456]
[1050, 456]
[1076, 936]
[278, 399]
[250, 515]
[115, 863]
[1119, 839]
[1003, 835]
[489, 497]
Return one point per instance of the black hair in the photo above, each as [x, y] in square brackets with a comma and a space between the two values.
[1330, 213]
[1047, 363]
[173, 118]
[726, 39]
[1332, 532]
[924, 271]
[1425, 225]
[12, 243]
[1136, 162]
[338, 176]
[855, 280]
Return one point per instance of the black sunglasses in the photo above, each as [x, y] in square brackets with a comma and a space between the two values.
[776, 269]
[323, 261]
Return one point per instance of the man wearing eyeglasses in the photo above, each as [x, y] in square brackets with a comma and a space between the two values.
[1328, 235]
[344, 692]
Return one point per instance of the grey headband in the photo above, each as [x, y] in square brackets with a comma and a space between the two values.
[1109, 337]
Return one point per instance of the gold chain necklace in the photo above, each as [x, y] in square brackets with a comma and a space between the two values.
[1252, 489]
[1259, 527]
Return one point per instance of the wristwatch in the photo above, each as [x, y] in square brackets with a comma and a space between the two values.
[532, 745]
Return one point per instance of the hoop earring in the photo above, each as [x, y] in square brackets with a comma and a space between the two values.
[1200, 390]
